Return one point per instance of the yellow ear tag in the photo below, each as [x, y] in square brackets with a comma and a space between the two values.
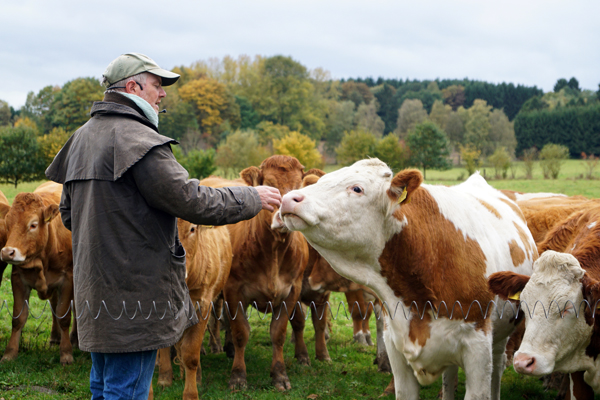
[47, 220]
[402, 196]
[516, 296]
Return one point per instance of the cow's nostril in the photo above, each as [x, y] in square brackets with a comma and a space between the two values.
[531, 362]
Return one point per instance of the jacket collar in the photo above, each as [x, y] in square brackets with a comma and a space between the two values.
[115, 104]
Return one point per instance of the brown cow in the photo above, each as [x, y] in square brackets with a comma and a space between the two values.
[266, 273]
[208, 262]
[39, 248]
[4, 207]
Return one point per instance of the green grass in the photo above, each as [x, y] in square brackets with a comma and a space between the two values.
[37, 373]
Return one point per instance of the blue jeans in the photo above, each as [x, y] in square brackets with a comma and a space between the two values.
[122, 376]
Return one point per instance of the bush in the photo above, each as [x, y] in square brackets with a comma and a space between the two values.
[20, 161]
[199, 163]
[240, 150]
[552, 158]
[471, 157]
[590, 162]
[392, 152]
[355, 145]
[529, 157]
[500, 160]
[300, 146]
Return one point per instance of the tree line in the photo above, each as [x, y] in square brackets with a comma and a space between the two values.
[233, 112]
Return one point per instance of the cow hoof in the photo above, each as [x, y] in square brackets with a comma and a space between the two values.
[360, 339]
[383, 364]
[216, 349]
[368, 340]
[282, 383]
[8, 357]
[237, 382]
[54, 341]
[325, 359]
[165, 381]
[66, 359]
[303, 359]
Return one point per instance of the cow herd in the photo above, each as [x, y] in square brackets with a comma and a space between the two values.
[452, 270]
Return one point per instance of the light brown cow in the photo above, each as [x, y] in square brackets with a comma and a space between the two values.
[4, 207]
[39, 248]
[266, 273]
[208, 262]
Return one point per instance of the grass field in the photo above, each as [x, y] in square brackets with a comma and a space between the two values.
[37, 373]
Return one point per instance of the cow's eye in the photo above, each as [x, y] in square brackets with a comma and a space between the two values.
[33, 226]
[193, 229]
[357, 189]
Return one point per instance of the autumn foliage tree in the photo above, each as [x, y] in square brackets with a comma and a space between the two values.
[300, 146]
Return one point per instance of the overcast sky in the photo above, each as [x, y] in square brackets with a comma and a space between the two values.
[529, 42]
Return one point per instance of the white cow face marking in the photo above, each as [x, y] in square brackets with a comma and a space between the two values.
[345, 210]
[553, 339]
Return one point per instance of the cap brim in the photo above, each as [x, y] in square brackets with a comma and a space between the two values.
[168, 77]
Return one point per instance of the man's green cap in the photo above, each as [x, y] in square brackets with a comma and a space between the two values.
[130, 64]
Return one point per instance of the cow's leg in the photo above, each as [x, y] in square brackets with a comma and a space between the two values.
[365, 324]
[190, 353]
[55, 331]
[477, 364]
[579, 389]
[405, 382]
[297, 317]
[449, 381]
[498, 365]
[214, 327]
[354, 306]
[319, 320]
[383, 362]
[165, 369]
[240, 332]
[278, 330]
[21, 293]
[64, 319]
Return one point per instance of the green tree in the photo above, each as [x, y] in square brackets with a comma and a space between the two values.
[502, 133]
[5, 113]
[200, 164]
[477, 128]
[366, 119]
[20, 161]
[38, 107]
[356, 92]
[552, 157]
[410, 114]
[390, 150]
[340, 119]
[472, 158]
[248, 115]
[240, 150]
[355, 145]
[51, 143]
[267, 132]
[501, 161]
[439, 115]
[428, 146]
[300, 146]
[454, 96]
[71, 105]
[560, 84]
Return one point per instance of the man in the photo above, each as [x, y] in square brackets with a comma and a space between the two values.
[123, 191]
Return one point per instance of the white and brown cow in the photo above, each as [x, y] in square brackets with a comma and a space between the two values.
[413, 244]
[560, 332]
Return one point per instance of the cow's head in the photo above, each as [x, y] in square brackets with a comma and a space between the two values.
[352, 209]
[557, 321]
[282, 172]
[27, 228]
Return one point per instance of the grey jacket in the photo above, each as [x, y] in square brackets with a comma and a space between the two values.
[123, 191]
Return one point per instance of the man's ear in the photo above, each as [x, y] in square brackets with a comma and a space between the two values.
[404, 184]
[252, 176]
[507, 285]
[49, 212]
[4, 209]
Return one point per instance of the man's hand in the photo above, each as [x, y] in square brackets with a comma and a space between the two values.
[269, 197]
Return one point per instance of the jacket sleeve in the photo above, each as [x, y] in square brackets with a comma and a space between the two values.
[164, 184]
[65, 207]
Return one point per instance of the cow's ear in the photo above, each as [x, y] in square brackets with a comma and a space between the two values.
[252, 176]
[49, 212]
[507, 285]
[309, 180]
[314, 171]
[404, 184]
[591, 291]
[4, 209]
